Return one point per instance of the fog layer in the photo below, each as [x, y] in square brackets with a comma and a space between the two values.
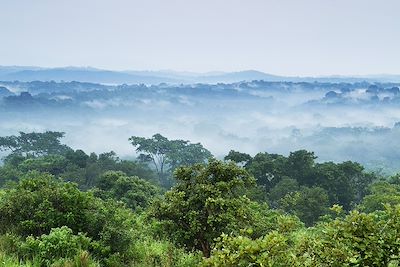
[338, 121]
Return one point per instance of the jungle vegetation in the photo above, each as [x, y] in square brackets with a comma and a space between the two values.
[177, 205]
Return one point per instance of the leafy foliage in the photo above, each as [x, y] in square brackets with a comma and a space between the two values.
[345, 183]
[356, 240]
[166, 155]
[270, 250]
[38, 203]
[136, 193]
[266, 210]
[34, 144]
[75, 166]
[308, 204]
[205, 203]
[60, 243]
[381, 193]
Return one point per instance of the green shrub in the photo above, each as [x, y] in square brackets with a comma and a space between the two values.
[240, 251]
[60, 243]
[39, 203]
[150, 252]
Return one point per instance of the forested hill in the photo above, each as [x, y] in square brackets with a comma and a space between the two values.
[176, 205]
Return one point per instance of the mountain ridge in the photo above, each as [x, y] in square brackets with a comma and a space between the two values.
[96, 75]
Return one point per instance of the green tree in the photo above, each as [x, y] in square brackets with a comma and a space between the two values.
[136, 193]
[381, 193]
[307, 203]
[395, 179]
[359, 179]
[166, 155]
[268, 169]
[238, 157]
[53, 164]
[346, 183]
[34, 144]
[205, 203]
[77, 157]
[281, 189]
[300, 165]
[135, 168]
[9, 173]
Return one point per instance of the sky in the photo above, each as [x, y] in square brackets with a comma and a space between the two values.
[284, 37]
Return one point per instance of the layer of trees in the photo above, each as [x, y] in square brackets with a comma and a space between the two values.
[63, 207]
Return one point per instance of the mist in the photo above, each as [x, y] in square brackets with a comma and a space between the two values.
[338, 121]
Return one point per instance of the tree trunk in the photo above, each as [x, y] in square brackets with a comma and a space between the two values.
[205, 248]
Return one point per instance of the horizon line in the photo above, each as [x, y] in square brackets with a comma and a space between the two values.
[217, 72]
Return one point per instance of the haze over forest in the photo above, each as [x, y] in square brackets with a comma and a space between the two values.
[339, 118]
[188, 133]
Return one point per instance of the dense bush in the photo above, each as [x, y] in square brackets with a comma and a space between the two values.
[39, 203]
[359, 239]
[60, 243]
[270, 250]
[136, 193]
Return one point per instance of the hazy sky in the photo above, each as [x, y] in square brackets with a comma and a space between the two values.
[297, 37]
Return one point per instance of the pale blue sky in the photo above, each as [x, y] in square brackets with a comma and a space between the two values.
[288, 37]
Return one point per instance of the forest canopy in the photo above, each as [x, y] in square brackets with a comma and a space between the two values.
[176, 205]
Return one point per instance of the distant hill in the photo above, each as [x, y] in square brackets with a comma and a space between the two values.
[78, 74]
[93, 75]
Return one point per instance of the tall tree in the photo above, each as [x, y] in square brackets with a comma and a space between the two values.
[300, 166]
[267, 168]
[166, 155]
[207, 201]
[34, 144]
[238, 157]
